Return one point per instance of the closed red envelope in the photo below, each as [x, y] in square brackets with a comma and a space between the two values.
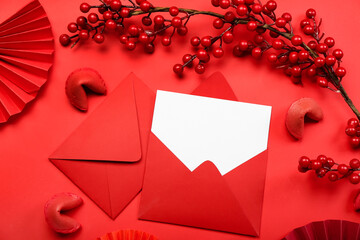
[229, 201]
[105, 155]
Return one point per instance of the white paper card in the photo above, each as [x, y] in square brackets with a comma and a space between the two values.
[196, 129]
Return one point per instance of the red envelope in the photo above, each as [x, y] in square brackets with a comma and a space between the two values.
[105, 155]
[203, 198]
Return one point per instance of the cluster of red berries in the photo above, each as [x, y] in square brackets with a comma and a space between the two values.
[353, 131]
[323, 166]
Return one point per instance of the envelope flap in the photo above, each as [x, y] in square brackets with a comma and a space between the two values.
[110, 133]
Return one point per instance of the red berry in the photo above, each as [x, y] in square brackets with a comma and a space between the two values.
[93, 18]
[187, 59]
[330, 60]
[195, 41]
[322, 82]
[228, 37]
[133, 30]
[312, 45]
[218, 23]
[166, 41]
[101, 10]
[353, 122]
[340, 72]
[296, 40]
[343, 169]
[258, 39]
[311, 13]
[271, 5]
[304, 23]
[311, 71]
[176, 22]
[296, 71]
[85, 7]
[146, 21]
[278, 44]
[110, 24]
[329, 41]
[237, 2]
[200, 68]
[123, 39]
[206, 41]
[302, 169]
[308, 30]
[159, 20]
[287, 17]
[174, 11]
[322, 158]
[280, 22]
[303, 55]
[355, 142]
[178, 69]
[125, 12]
[130, 45]
[81, 21]
[283, 59]
[350, 131]
[72, 27]
[293, 57]
[202, 55]
[315, 164]
[224, 4]
[338, 53]
[354, 178]
[99, 38]
[256, 8]
[241, 10]
[182, 31]
[319, 62]
[321, 172]
[115, 5]
[249, 2]
[64, 39]
[229, 16]
[304, 162]
[251, 26]
[354, 163]
[272, 58]
[145, 6]
[333, 177]
[149, 48]
[84, 35]
[144, 38]
[215, 3]
[244, 45]
[218, 52]
[107, 15]
[330, 162]
[322, 48]
[256, 52]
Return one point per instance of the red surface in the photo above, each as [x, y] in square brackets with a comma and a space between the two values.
[28, 179]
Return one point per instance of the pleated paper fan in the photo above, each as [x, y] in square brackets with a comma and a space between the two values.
[26, 56]
[127, 235]
[326, 230]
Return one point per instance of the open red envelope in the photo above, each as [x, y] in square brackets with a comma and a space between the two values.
[105, 155]
[191, 191]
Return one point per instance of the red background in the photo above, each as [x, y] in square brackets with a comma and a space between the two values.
[28, 179]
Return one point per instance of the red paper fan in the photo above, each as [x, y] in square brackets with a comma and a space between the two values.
[127, 235]
[26, 56]
[326, 230]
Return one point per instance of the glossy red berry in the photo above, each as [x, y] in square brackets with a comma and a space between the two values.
[296, 40]
[259, 39]
[149, 48]
[229, 16]
[333, 177]
[354, 163]
[110, 24]
[84, 35]
[296, 71]
[322, 82]
[101, 10]
[287, 17]
[202, 55]
[64, 39]
[72, 27]
[85, 7]
[340, 72]
[224, 4]
[242, 10]
[107, 15]
[319, 62]
[354, 178]
[302, 169]
[322, 48]
[303, 55]
[321, 172]
[330, 42]
[200, 68]
[293, 57]
[186, 59]
[195, 41]
[353, 122]
[322, 158]
[206, 41]
[304, 22]
[237, 2]
[272, 58]
[93, 18]
[144, 38]
[343, 169]
[338, 53]
[182, 31]
[256, 52]
[251, 26]
[304, 162]
[218, 23]
[215, 3]
[350, 131]
[159, 20]
[178, 69]
[145, 6]
[146, 21]
[124, 39]
[355, 142]
[243, 45]
[312, 45]
[278, 44]
[311, 13]
[218, 52]
[81, 21]
[130, 45]
[133, 30]
[311, 71]
[228, 37]
[176, 22]
[115, 5]
[330, 60]
[330, 162]
[125, 12]
[315, 164]
[256, 8]
[174, 11]
[308, 30]
[99, 38]
[166, 40]
[280, 22]
[271, 5]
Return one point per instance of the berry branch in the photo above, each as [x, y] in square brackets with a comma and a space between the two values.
[289, 52]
